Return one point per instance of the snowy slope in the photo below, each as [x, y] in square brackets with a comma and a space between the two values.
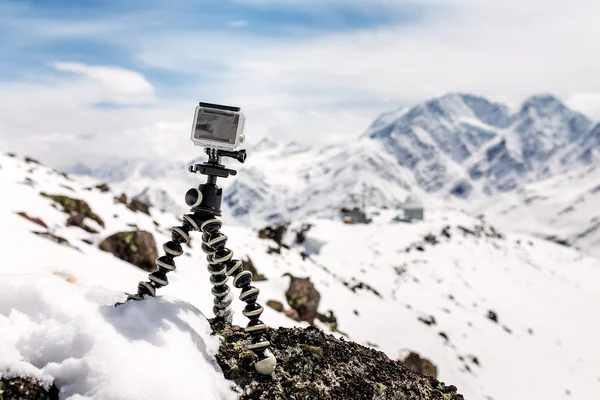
[378, 279]
[563, 208]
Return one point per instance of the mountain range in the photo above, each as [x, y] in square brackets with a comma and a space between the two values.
[458, 150]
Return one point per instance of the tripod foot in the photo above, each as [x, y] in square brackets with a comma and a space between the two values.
[267, 365]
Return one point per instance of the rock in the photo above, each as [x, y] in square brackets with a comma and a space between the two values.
[21, 388]
[275, 305]
[292, 314]
[71, 205]
[248, 265]
[54, 238]
[303, 297]
[135, 247]
[103, 187]
[492, 316]
[274, 250]
[33, 219]
[30, 160]
[121, 199]
[301, 233]
[275, 233]
[420, 365]
[136, 205]
[77, 219]
[330, 320]
[313, 365]
[427, 320]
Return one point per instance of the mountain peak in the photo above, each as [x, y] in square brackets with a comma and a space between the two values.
[546, 103]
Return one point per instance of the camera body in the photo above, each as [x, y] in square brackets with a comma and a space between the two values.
[218, 126]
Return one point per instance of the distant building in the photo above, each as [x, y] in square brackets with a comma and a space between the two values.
[354, 216]
[413, 209]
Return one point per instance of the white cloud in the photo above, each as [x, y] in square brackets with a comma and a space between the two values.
[314, 88]
[111, 84]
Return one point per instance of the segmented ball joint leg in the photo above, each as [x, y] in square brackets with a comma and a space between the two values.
[221, 266]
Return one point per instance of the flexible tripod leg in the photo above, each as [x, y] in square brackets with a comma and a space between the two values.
[221, 266]
[166, 263]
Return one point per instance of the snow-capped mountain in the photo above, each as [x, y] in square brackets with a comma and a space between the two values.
[461, 144]
[500, 314]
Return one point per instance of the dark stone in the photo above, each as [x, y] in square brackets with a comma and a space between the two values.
[330, 320]
[274, 250]
[275, 305]
[275, 233]
[71, 205]
[301, 233]
[103, 187]
[429, 320]
[25, 388]
[136, 205]
[121, 198]
[33, 219]
[54, 238]
[431, 239]
[135, 247]
[313, 365]
[492, 316]
[77, 219]
[423, 366]
[303, 297]
[248, 265]
[30, 160]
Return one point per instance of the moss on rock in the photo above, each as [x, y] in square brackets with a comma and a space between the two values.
[71, 205]
[313, 365]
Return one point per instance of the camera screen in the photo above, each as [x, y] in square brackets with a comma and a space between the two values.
[217, 126]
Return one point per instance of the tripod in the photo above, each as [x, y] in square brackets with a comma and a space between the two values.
[205, 203]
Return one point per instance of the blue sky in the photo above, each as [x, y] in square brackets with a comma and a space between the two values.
[103, 74]
[102, 32]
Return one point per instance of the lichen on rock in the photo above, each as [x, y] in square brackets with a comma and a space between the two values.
[21, 388]
[136, 247]
[313, 365]
[78, 206]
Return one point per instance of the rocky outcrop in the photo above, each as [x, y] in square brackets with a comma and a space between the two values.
[77, 219]
[313, 365]
[303, 297]
[275, 305]
[274, 233]
[21, 388]
[135, 247]
[33, 219]
[136, 205]
[423, 366]
[122, 198]
[71, 205]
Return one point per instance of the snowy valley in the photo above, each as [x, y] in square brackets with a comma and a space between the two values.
[502, 315]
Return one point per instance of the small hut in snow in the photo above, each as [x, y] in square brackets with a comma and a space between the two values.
[413, 209]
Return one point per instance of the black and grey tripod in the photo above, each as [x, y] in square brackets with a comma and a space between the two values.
[220, 126]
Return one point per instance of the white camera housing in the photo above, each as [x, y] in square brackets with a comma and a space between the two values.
[217, 126]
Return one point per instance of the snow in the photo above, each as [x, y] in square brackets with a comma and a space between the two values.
[73, 336]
